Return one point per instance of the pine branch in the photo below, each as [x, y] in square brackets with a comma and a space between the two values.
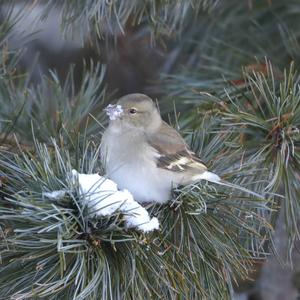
[212, 53]
[260, 113]
[55, 249]
[269, 127]
[112, 17]
[52, 108]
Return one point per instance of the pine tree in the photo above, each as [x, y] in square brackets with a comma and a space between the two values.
[229, 82]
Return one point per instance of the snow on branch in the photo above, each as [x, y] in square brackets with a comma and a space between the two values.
[103, 199]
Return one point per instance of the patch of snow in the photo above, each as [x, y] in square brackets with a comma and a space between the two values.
[114, 111]
[103, 198]
[55, 195]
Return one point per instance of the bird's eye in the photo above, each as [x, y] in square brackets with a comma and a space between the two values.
[132, 110]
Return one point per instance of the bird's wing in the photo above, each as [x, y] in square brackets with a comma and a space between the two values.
[173, 152]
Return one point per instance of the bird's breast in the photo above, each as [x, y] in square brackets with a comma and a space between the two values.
[131, 163]
[126, 150]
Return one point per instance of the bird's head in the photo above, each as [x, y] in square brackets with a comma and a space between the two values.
[134, 111]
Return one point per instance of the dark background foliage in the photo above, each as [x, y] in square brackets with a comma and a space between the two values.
[225, 73]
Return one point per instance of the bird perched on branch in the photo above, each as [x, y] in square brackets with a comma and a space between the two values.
[143, 154]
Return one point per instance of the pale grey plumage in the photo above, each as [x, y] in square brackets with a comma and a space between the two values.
[143, 154]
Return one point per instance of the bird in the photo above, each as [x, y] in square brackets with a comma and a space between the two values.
[145, 155]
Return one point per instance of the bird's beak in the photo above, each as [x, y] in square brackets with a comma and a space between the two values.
[114, 111]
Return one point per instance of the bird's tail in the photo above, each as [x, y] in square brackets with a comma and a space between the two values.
[209, 176]
[212, 177]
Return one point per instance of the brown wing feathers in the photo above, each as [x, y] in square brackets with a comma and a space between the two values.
[174, 154]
